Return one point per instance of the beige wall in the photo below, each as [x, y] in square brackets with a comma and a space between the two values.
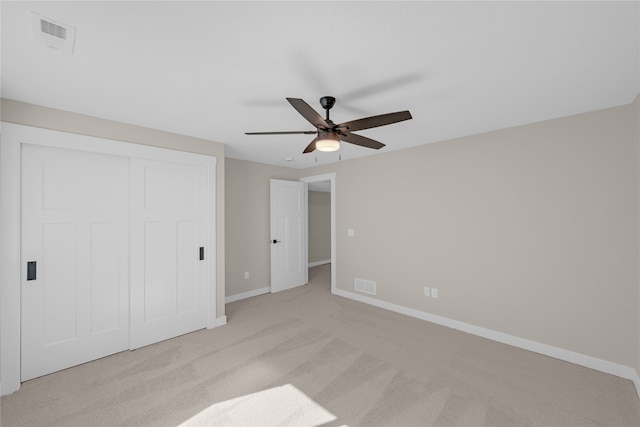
[37, 116]
[247, 226]
[319, 226]
[531, 231]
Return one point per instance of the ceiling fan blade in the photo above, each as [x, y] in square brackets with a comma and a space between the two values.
[305, 132]
[308, 113]
[361, 140]
[375, 121]
[311, 147]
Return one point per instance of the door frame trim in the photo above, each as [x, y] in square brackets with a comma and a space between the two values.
[12, 138]
[332, 178]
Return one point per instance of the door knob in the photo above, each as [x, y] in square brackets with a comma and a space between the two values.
[276, 241]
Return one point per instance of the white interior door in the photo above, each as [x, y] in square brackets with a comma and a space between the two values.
[168, 277]
[288, 234]
[75, 216]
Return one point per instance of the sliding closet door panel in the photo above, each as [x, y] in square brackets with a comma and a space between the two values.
[168, 280]
[75, 226]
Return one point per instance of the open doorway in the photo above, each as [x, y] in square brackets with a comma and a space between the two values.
[321, 229]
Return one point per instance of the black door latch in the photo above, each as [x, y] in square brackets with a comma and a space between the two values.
[31, 270]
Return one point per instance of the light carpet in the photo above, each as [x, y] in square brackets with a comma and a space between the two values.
[304, 357]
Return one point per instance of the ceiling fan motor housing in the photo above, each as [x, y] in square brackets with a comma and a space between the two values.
[327, 102]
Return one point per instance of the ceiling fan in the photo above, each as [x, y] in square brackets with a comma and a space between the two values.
[329, 135]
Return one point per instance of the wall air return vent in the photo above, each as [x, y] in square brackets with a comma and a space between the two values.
[366, 286]
[53, 34]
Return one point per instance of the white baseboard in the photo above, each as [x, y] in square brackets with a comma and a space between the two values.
[248, 294]
[221, 321]
[605, 366]
[313, 264]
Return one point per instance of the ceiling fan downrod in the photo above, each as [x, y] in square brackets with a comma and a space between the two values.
[327, 103]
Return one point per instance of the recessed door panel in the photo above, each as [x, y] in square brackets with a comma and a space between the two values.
[59, 285]
[157, 271]
[187, 258]
[72, 181]
[170, 189]
[106, 269]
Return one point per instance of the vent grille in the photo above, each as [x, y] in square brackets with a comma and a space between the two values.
[53, 29]
[366, 286]
[53, 34]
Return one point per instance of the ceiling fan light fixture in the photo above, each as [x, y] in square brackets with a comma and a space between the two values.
[328, 142]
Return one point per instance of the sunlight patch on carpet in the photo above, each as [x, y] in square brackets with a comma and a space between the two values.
[278, 406]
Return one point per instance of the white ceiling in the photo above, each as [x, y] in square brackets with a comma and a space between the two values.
[215, 70]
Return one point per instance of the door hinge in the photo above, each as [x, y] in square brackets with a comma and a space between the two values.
[201, 253]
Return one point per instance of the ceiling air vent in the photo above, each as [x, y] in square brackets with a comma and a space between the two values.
[52, 34]
[53, 29]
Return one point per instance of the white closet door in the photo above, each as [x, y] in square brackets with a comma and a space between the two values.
[75, 218]
[168, 228]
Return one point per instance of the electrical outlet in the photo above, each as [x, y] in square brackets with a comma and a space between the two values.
[427, 291]
[434, 292]
[246, 275]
